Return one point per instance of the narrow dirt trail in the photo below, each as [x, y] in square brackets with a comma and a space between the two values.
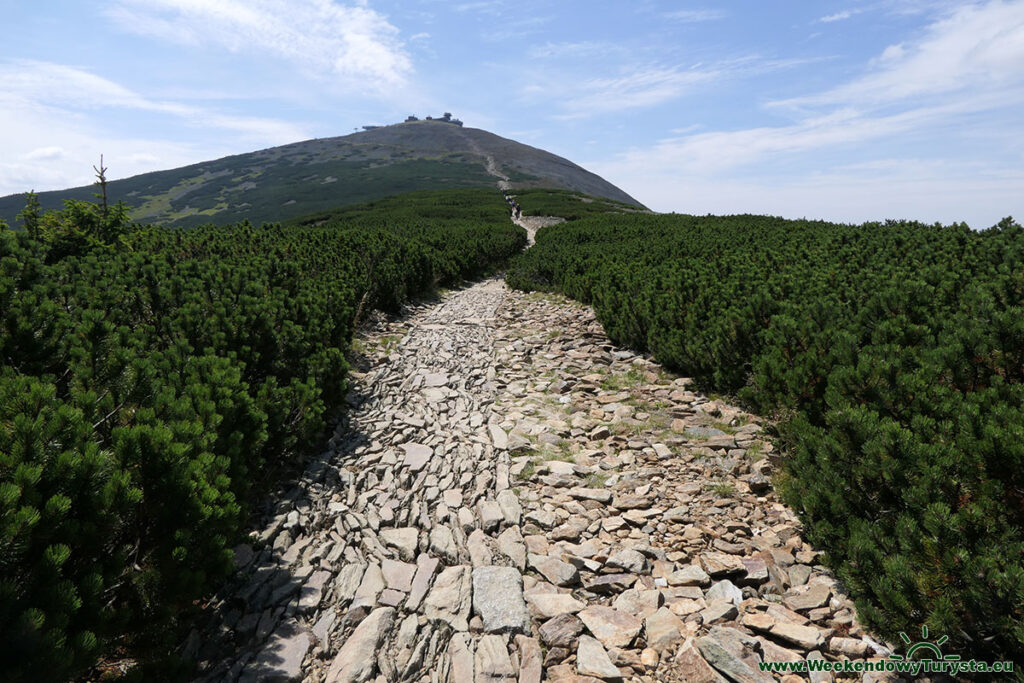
[512, 498]
[534, 223]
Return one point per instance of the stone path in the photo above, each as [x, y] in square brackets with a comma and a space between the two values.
[511, 498]
[534, 223]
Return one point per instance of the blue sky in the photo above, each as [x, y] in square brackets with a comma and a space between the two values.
[842, 110]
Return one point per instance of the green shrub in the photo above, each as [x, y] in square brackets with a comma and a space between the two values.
[153, 385]
[898, 348]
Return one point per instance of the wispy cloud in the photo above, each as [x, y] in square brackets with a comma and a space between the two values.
[49, 85]
[693, 16]
[918, 189]
[839, 16]
[635, 88]
[484, 6]
[978, 48]
[969, 62]
[54, 122]
[966, 66]
[583, 48]
[639, 86]
[350, 45]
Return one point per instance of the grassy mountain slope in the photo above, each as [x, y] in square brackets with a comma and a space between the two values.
[297, 179]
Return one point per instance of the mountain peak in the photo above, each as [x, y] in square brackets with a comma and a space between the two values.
[283, 182]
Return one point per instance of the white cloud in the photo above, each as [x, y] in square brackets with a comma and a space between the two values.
[74, 145]
[697, 15]
[642, 87]
[583, 48]
[962, 75]
[722, 151]
[350, 45]
[51, 153]
[839, 16]
[636, 86]
[53, 127]
[485, 6]
[58, 86]
[893, 188]
[976, 48]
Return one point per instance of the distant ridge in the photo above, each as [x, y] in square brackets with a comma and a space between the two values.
[292, 180]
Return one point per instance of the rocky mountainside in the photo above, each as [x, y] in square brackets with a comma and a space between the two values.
[316, 175]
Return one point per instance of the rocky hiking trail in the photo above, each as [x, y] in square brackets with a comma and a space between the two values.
[512, 498]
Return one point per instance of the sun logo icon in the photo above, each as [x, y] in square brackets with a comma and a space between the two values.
[926, 647]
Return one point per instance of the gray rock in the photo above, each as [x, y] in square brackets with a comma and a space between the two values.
[492, 661]
[546, 605]
[664, 629]
[757, 571]
[490, 515]
[530, 660]
[356, 662]
[561, 631]
[442, 542]
[815, 595]
[724, 590]
[511, 510]
[322, 628]
[718, 564]
[312, 591]
[718, 610]
[450, 599]
[628, 560]
[398, 575]
[435, 379]
[819, 676]
[461, 659]
[851, 647]
[690, 575]
[425, 568]
[498, 437]
[369, 588]
[732, 655]
[479, 554]
[511, 543]
[545, 519]
[404, 540]
[592, 660]
[416, 456]
[281, 658]
[691, 666]
[799, 574]
[554, 570]
[570, 531]
[612, 627]
[758, 483]
[610, 583]
[243, 555]
[498, 600]
[804, 637]
[600, 495]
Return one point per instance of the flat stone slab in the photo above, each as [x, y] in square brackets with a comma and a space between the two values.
[403, 540]
[398, 575]
[547, 605]
[435, 379]
[612, 627]
[498, 600]
[450, 599]
[356, 662]
[281, 658]
[416, 456]
[592, 660]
